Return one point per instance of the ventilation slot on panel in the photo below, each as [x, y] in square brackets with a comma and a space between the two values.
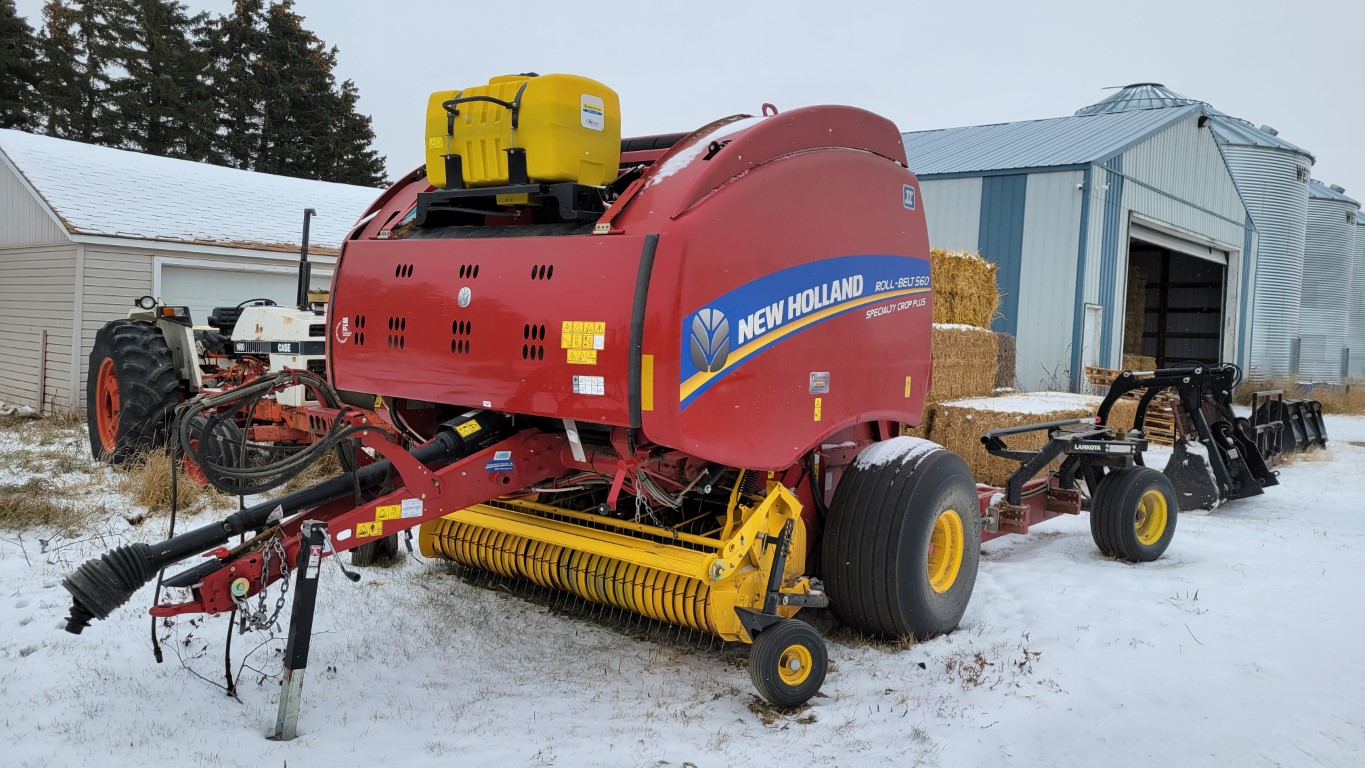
[542, 271]
[318, 366]
[469, 271]
[533, 334]
[398, 327]
[360, 330]
[317, 331]
[459, 332]
[402, 270]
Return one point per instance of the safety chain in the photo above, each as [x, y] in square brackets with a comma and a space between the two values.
[261, 618]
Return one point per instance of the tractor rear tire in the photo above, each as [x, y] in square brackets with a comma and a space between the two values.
[131, 391]
[902, 541]
[380, 553]
[1133, 514]
[788, 662]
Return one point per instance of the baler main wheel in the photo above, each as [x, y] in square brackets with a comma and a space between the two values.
[787, 663]
[130, 392]
[1133, 515]
[902, 541]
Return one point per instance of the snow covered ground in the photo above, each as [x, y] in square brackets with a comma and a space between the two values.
[1241, 647]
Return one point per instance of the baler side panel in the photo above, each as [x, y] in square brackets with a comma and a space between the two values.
[482, 322]
[731, 278]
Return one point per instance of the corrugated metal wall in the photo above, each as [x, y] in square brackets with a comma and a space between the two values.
[952, 209]
[36, 294]
[1355, 337]
[1004, 200]
[23, 219]
[1177, 177]
[1274, 183]
[1328, 258]
[1047, 284]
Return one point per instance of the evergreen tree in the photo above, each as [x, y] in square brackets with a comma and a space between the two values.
[160, 104]
[81, 44]
[18, 68]
[234, 44]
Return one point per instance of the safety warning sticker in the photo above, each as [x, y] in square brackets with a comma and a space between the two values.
[387, 512]
[582, 340]
[366, 530]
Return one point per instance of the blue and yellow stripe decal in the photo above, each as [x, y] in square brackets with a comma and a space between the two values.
[734, 328]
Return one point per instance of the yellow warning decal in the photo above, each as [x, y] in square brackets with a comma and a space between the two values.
[368, 530]
[817, 408]
[907, 386]
[583, 357]
[388, 512]
[468, 428]
[582, 334]
[435, 142]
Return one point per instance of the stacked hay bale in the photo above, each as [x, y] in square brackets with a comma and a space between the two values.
[1139, 363]
[958, 425]
[971, 363]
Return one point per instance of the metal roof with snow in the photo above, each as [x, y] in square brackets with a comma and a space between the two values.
[1059, 141]
[100, 191]
[1226, 128]
[1319, 191]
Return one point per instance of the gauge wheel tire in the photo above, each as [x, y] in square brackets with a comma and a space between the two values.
[788, 662]
[1133, 515]
[131, 391]
[902, 541]
[377, 554]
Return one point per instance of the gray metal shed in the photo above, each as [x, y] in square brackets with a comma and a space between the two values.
[1073, 210]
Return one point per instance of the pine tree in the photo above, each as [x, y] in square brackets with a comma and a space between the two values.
[80, 44]
[349, 143]
[235, 43]
[18, 68]
[160, 105]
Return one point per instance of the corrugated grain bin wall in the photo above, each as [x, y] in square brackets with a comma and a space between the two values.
[1273, 182]
[1328, 259]
[1355, 333]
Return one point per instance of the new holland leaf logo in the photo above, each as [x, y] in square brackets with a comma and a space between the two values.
[710, 340]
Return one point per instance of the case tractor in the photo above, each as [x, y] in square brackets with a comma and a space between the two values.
[667, 375]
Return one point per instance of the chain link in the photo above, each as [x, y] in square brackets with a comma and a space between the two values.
[262, 618]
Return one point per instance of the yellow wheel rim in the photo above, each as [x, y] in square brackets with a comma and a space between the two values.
[1151, 518]
[794, 665]
[945, 551]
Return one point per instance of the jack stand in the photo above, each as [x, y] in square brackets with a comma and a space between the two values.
[309, 563]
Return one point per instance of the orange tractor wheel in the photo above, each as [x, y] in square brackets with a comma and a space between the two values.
[131, 390]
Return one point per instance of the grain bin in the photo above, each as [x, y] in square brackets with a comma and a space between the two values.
[1355, 332]
[1272, 176]
[1328, 259]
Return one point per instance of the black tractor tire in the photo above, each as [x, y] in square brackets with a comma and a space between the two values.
[223, 447]
[131, 391]
[889, 524]
[380, 553]
[1133, 514]
[788, 662]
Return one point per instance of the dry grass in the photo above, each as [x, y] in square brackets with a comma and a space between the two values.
[1346, 399]
[38, 503]
[325, 468]
[147, 481]
[964, 288]
[965, 361]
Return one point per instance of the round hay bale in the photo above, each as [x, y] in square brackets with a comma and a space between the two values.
[965, 359]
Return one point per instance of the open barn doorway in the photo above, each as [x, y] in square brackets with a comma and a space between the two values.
[1175, 305]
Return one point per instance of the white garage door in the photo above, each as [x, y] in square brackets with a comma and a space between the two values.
[203, 288]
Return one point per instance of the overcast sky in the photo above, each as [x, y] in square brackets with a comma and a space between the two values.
[677, 65]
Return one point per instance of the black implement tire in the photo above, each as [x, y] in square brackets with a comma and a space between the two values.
[379, 553]
[1133, 514]
[131, 391]
[876, 552]
[223, 447]
[788, 662]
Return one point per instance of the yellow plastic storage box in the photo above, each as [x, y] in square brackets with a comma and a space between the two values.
[569, 127]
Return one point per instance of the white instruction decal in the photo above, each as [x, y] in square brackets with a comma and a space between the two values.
[589, 385]
[412, 508]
